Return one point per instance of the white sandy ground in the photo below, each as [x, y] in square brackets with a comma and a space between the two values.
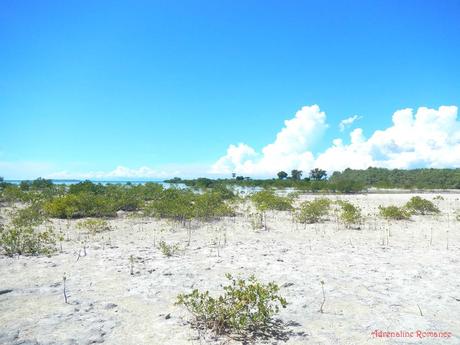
[369, 284]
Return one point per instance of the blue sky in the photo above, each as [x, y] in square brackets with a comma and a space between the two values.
[89, 86]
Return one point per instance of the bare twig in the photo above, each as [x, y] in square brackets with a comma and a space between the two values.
[324, 297]
[64, 278]
[421, 314]
[131, 261]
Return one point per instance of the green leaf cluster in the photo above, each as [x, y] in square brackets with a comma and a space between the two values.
[168, 250]
[394, 212]
[22, 234]
[313, 211]
[350, 214]
[94, 225]
[267, 200]
[419, 205]
[246, 305]
[183, 205]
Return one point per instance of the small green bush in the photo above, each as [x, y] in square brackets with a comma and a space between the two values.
[257, 221]
[168, 250]
[83, 204]
[183, 205]
[94, 225]
[313, 211]
[350, 214]
[246, 305]
[173, 204]
[394, 212]
[27, 241]
[347, 186]
[418, 205]
[12, 193]
[211, 205]
[32, 215]
[22, 236]
[267, 200]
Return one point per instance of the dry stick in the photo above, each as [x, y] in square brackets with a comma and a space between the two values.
[421, 314]
[189, 231]
[324, 297]
[447, 233]
[431, 236]
[78, 257]
[131, 261]
[65, 294]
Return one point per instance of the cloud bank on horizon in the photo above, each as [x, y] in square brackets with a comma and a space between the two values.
[119, 172]
[427, 138]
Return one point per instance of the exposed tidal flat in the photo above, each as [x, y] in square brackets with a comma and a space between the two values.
[379, 275]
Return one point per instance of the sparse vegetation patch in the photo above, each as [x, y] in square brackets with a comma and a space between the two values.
[267, 200]
[418, 205]
[24, 237]
[350, 214]
[94, 225]
[313, 211]
[394, 212]
[168, 250]
[246, 305]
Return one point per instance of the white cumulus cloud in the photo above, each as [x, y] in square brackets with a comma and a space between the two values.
[118, 173]
[423, 138]
[290, 150]
[348, 122]
[426, 138]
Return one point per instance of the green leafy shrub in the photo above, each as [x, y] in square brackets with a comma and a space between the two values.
[126, 197]
[418, 205]
[211, 205]
[37, 184]
[80, 205]
[94, 225]
[350, 214]
[168, 250]
[29, 191]
[22, 236]
[172, 203]
[11, 193]
[246, 305]
[313, 211]
[394, 212]
[86, 187]
[347, 186]
[224, 192]
[27, 241]
[267, 200]
[32, 215]
[257, 221]
[182, 205]
[294, 195]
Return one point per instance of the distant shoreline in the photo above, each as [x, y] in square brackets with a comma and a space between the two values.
[75, 181]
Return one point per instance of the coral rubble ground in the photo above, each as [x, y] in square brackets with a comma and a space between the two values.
[397, 276]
